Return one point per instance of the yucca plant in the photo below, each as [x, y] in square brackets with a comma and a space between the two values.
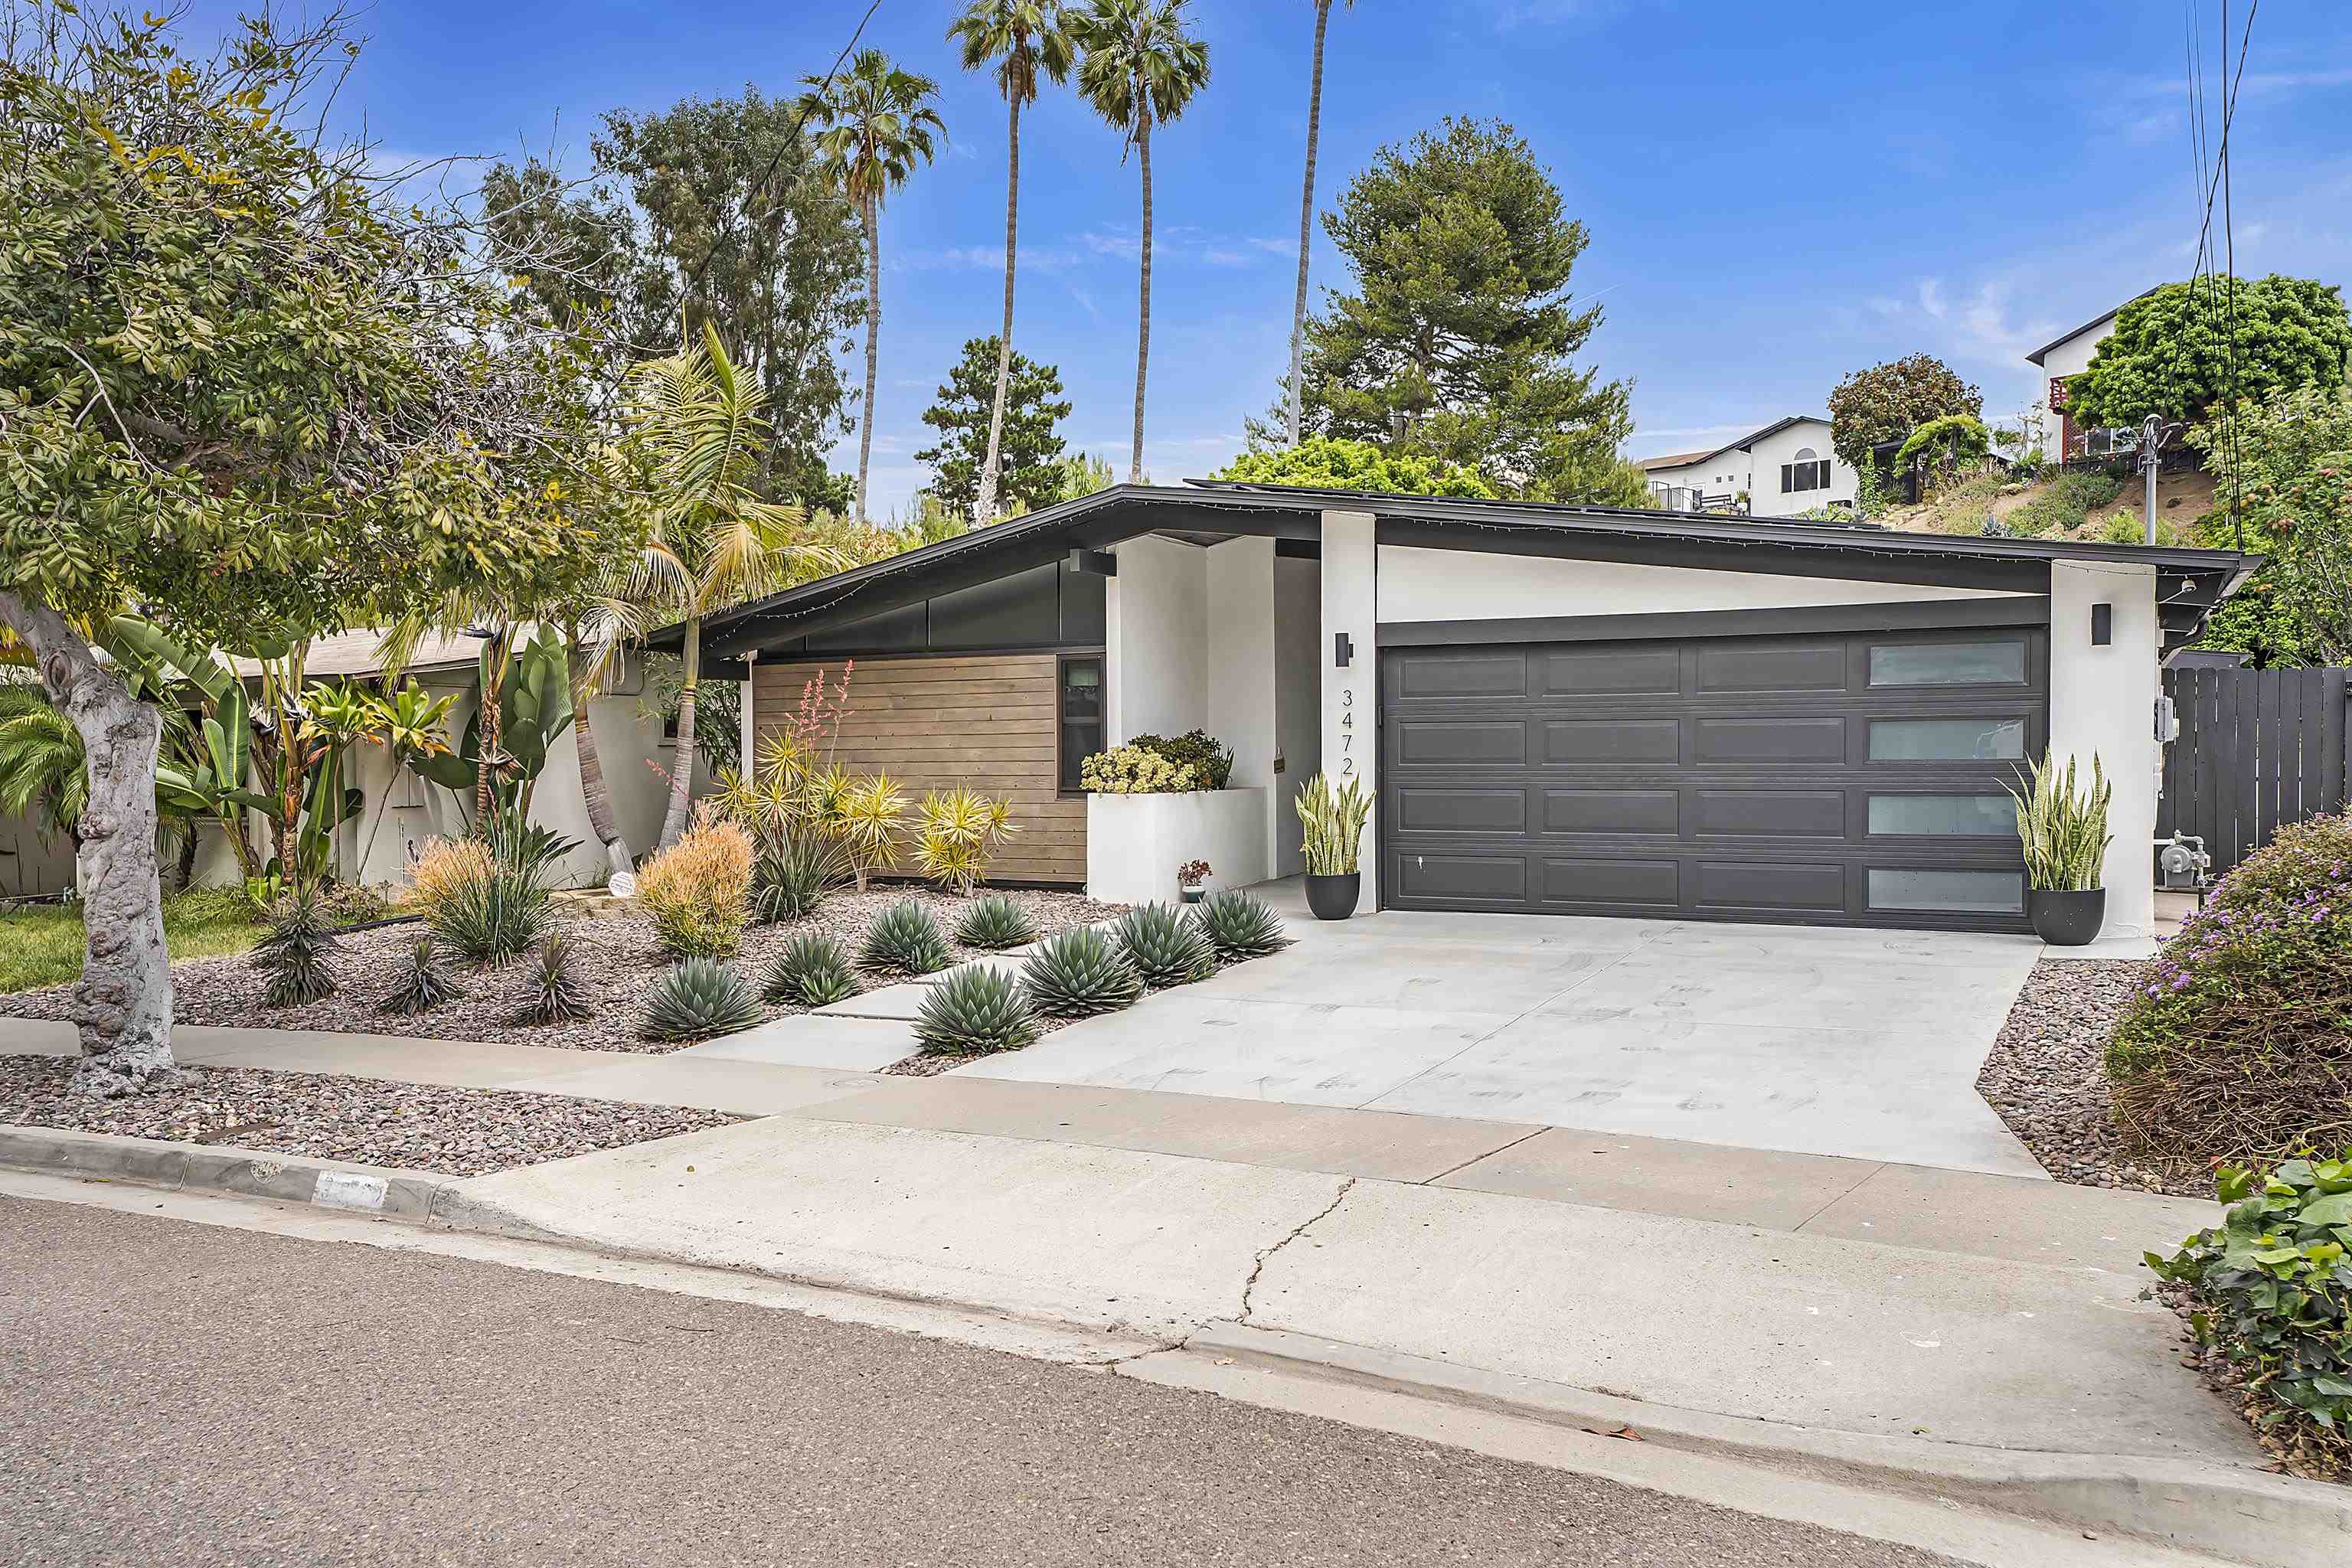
[697, 998]
[1238, 925]
[560, 995]
[294, 954]
[905, 940]
[1165, 948]
[865, 820]
[975, 1012]
[797, 867]
[489, 912]
[995, 923]
[421, 984]
[2063, 832]
[1334, 820]
[1078, 973]
[813, 971]
[961, 833]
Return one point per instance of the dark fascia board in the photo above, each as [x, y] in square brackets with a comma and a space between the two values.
[1799, 620]
[2035, 357]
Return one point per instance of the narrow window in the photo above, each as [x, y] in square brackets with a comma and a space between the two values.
[1081, 717]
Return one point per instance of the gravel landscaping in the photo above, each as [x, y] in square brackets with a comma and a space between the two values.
[369, 1121]
[2047, 1078]
[614, 955]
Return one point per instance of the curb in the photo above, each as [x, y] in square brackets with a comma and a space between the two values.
[2245, 1516]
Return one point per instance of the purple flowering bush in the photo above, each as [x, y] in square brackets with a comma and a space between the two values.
[2239, 1048]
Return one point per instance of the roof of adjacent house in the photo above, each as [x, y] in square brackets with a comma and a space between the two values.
[1670, 460]
[2036, 356]
[1684, 459]
[359, 653]
[1210, 512]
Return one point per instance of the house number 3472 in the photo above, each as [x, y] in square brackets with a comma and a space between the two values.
[1347, 732]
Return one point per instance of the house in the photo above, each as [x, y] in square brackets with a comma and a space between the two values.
[1562, 710]
[2070, 355]
[1786, 467]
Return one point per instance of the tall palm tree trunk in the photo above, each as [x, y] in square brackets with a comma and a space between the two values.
[986, 509]
[681, 773]
[594, 792]
[1143, 323]
[1307, 223]
[873, 350]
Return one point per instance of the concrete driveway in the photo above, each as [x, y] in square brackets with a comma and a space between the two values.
[1857, 1043]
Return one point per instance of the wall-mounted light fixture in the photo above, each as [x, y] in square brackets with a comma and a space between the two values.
[1343, 651]
[2103, 625]
[1093, 563]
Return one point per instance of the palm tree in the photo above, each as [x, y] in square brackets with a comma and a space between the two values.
[714, 540]
[878, 126]
[1306, 218]
[1023, 39]
[1140, 66]
[42, 771]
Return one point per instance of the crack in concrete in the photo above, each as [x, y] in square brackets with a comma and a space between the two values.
[1258, 1267]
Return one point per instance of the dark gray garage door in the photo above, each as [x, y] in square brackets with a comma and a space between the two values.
[1840, 779]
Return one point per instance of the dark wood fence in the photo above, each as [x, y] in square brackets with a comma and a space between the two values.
[2258, 748]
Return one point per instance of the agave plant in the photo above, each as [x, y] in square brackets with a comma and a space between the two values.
[560, 995]
[905, 940]
[1165, 948]
[1238, 925]
[995, 923]
[976, 1011]
[813, 971]
[1078, 973]
[2063, 832]
[698, 998]
[422, 984]
[294, 954]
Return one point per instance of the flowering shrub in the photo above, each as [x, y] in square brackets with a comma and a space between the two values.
[1132, 770]
[2239, 1048]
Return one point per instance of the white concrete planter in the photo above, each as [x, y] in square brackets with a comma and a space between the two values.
[1135, 842]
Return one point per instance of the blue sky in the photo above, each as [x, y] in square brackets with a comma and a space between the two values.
[1776, 195]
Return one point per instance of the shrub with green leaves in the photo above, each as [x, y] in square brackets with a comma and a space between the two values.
[1166, 948]
[294, 954]
[1080, 973]
[2273, 1292]
[559, 994]
[2063, 502]
[698, 998]
[813, 971]
[487, 911]
[995, 923]
[798, 864]
[421, 984]
[905, 940]
[1238, 925]
[976, 1011]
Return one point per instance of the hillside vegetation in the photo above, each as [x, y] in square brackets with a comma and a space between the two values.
[2081, 505]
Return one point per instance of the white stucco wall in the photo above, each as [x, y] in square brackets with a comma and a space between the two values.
[2102, 704]
[1239, 701]
[2072, 357]
[1765, 497]
[1350, 583]
[1155, 629]
[31, 865]
[1420, 584]
[1297, 700]
[1136, 842]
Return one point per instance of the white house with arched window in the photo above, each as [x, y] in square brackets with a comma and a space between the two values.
[1784, 468]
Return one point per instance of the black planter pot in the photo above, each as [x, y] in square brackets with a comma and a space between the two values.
[2066, 918]
[1333, 897]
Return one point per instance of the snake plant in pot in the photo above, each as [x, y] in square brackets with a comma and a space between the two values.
[1334, 820]
[2063, 832]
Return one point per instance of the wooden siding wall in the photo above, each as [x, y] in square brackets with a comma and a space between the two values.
[987, 722]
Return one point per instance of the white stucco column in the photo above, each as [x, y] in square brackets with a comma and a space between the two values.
[750, 715]
[1239, 696]
[1351, 693]
[2102, 703]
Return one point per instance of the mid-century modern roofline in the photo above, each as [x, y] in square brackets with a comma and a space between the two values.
[1209, 512]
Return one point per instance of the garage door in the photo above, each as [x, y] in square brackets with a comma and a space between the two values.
[1840, 779]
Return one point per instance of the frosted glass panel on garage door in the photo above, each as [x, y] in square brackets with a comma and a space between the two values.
[1946, 739]
[1948, 664]
[1947, 892]
[1961, 815]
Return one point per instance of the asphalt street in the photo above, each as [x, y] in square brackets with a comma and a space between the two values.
[179, 1393]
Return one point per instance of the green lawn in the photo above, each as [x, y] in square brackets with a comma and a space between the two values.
[41, 944]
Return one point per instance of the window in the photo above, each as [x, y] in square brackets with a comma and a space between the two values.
[1999, 663]
[1948, 893]
[1081, 715]
[1961, 815]
[1806, 473]
[1946, 739]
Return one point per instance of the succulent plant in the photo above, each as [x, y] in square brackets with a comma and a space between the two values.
[813, 970]
[422, 984]
[975, 1011]
[905, 940]
[1080, 973]
[995, 923]
[1238, 925]
[699, 997]
[1165, 947]
[294, 954]
[560, 996]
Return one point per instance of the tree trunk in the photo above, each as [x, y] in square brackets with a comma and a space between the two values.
[122, 1003]
[873, 354]
[1306, 225]
[593, 789]
[1143, 314]
[986, 509]
[681, 773]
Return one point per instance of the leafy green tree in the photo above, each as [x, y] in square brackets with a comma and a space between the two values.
[1024, 41]
[1140, 67]
[1018, 433]
[2169, 353]
[1887, 402]
[2289, 460]
[42, 777]
[1462, 334]
[1080, 475]
[1307, 216]
[1944, 446]
[1329, 463]
[878, 127]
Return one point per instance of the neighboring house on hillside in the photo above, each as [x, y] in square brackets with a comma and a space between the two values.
[2070, 355]
[1783, 468]
[1557, 708]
